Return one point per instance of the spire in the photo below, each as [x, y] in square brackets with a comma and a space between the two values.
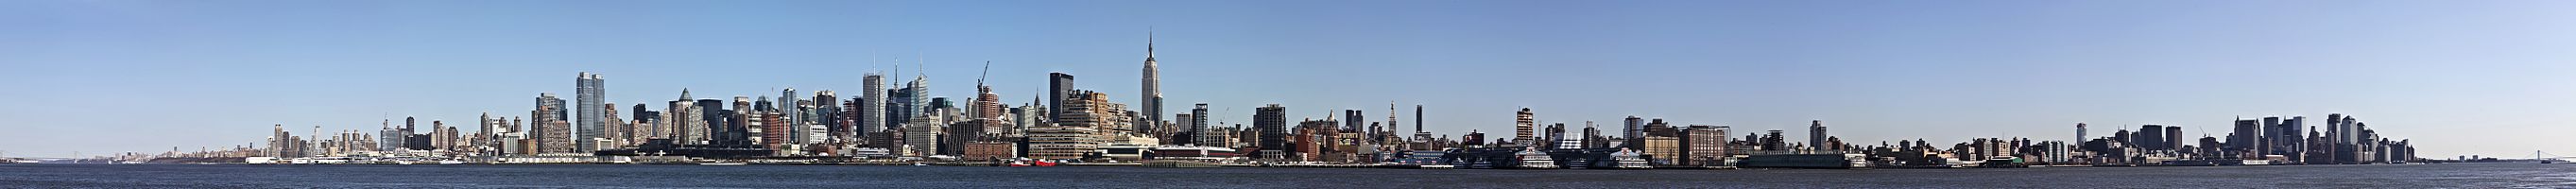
[1149, 43]
[898, 70]
[684, 94]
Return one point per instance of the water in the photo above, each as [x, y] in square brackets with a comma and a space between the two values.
[2479, 175]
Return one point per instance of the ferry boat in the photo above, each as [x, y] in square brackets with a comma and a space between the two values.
[1628, 159]
[1531, 158]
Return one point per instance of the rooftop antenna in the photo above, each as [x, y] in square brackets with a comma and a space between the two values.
[922, 61]
[898, 71]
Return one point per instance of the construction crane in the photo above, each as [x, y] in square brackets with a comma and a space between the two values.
[988, 71]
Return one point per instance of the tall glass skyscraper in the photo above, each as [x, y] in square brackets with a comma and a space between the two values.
[589, 92]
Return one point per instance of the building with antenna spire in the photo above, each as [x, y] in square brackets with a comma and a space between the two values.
[1152, 100]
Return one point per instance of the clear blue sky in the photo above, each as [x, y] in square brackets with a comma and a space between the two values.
[2459, 77]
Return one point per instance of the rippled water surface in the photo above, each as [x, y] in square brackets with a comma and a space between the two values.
[2474, 175]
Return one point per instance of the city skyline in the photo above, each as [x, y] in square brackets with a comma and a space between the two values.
[1235, 69]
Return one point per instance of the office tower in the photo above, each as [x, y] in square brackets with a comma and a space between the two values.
[920, 103]
[1521, 127]
[617, 131]
[901, 108]
[1418, 132]
[739, 132]
[1592, 136]
[1636, 128]
[718, 122]
[2335, 127]
[688, 124]
[649, 124]
[1549, 135]
[761, 107]
[386, 139]
[872, 104]
[552, 132]
[645, 126]
[827, 112]
[2293, 141]
[2173, 137]
[277, 138]
[791, 114]
[1816, 135]
[2151, 137]
[1272, 120]
[2246, 137]
[2079, 132]
[589, 92]
[1705, 145]
[1152, 97]
[1352, 121]
[1198, 122]
[1058, 85]
[485, 129]
[2272, 131]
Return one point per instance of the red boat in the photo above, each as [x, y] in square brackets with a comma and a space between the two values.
[1032, 163]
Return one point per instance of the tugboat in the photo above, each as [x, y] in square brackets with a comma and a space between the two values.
[1531, 158]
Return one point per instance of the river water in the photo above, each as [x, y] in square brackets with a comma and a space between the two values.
[2462, 175]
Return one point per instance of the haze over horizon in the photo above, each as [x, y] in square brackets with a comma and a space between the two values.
[2459, 78]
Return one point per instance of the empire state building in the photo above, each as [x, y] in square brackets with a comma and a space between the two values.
[1153, 100]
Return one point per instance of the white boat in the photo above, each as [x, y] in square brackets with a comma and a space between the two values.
[1439, 167]
[724, 163]
[1628, 159]
[920, 165]
[450, 162]
[1533, 159]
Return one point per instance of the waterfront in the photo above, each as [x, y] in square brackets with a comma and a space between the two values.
[2460, 175]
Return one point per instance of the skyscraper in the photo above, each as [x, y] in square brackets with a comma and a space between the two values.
[1058, 85]
[1816, 135]
[919, 88]
[1153, 95]
[1272, 120]
[717, 122]
[2173, 138]
[590, 93]
[2245, 139]
[2079, 132]
[688, 126]
[1522, 128]
[790, 112]
[872, 105]
[1418, 133]
[1351, 120]
[2151, 137]
[552, 132]
[1199, 126]
[1636, 128]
